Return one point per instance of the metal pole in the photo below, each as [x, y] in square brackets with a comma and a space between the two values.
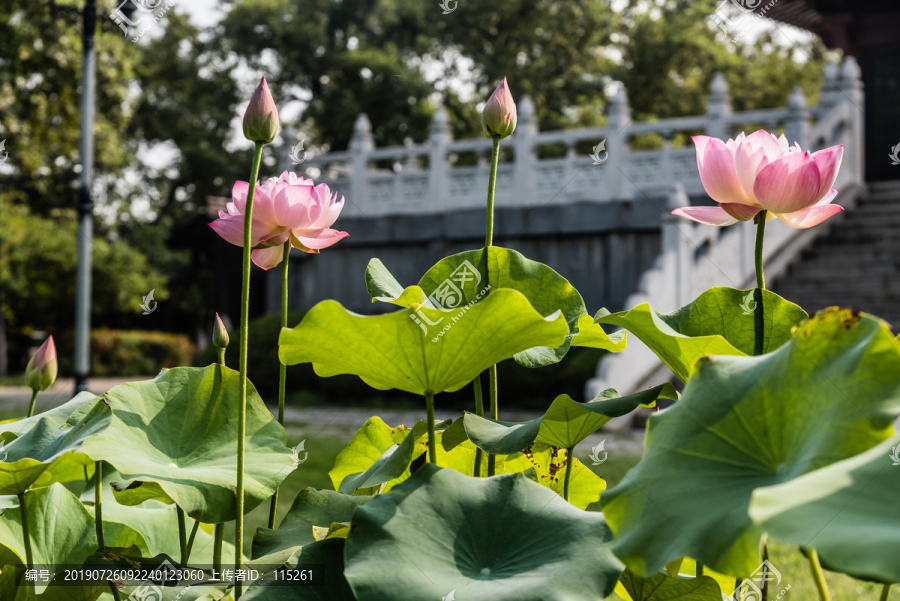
[85, 202]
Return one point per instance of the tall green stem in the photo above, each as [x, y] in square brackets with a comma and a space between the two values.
[218, 537]
[885, 593]
[26, 536]
[282, 368]
[492, 393]
[34, 392]
[492, 184]
[569, 459]
[242, 410]
[479, 411]
[432, 448]
[220, 356]
[190, 543]
[818, 575]
[98, 505]
[114, 589]
[765, 572]
[759, 312]
[182, 536]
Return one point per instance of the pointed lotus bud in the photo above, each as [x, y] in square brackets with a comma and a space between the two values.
[499, 115]
[261, 119]
[220, 334]
[40, 373]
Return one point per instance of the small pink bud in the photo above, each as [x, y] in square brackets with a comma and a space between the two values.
[499, 115]
[40, 373]
[261, 118]
[220, 334]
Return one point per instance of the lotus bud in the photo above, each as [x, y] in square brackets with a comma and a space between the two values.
[40, 373]
[261, 119]
[499, 115]
[220, 334]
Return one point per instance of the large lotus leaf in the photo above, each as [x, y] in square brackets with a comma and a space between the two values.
[745, 423]
[390, 351]
[662, 587]
[718, 322]
[565, 424]
[457, 280]
[326, 561]
[847, 511]
[61, 530]
[46, 448]
[499, 539]
[180, 431]
[311, 508]
[548, 468]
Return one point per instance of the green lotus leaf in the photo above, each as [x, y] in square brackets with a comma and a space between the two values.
[459, 279]
[327, 561]
[847, 511]
[499, 539]
[565, 424]
[390, 351]
[367, 446]
[311, 508]
[548, 468]
[135, 492]
[744, 423]
[662, 587]
[336, 530]
[61, 530]
[719, 322]
[46, 448]
[180, 431]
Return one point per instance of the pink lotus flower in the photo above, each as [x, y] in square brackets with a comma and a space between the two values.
[40, 373]
[285, 208]
[761, 172]
[499, 115]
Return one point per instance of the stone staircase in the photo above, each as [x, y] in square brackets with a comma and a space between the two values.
[857, 263]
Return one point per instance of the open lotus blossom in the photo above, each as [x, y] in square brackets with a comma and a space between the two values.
[761, 172]
[284, 208]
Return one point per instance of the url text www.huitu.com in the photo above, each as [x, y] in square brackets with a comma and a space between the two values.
[462, 311]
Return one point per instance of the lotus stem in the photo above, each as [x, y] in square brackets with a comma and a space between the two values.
[570, 458]
[492, 183]
[699, 569]
[432, 447]
[26, 536]
[182, 536]
[818, 575]
[34, 392]
[479, 411]
[886, 592]
[242, 409]
[218, 536]
[492, 392]
[282, 368]
[98, 505]
[220, 352]
[765, 572]
[190, 544]
[738, 582]
[759, 312]
[114, 589]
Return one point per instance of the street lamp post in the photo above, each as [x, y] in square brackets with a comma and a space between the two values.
[85, 202]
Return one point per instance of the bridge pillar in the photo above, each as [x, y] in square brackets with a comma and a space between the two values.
[796, 126]
[361, 144]
[718, 108]
[439, 139]
[523, 143]
[619, 117]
